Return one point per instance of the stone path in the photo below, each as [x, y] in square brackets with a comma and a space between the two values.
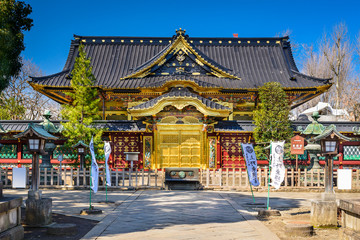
[175, 214]
[179, 215]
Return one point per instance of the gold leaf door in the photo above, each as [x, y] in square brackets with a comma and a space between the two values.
[179, 146]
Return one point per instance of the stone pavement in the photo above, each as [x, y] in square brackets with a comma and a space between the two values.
[180, 215]
[157, 214]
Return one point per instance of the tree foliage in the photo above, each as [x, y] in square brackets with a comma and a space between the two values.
[83, 109]
[20, 102]
[271, 117]
[13, 22]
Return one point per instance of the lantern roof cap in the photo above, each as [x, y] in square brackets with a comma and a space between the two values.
[331, 129]
[38, 130]
[80, 144]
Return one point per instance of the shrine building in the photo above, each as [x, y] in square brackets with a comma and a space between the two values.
[182, 101]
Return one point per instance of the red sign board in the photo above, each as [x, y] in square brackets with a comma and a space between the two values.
[297, 145]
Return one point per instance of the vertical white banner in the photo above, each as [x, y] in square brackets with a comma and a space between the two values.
[277, 164]
[107, 151]
[251, 163]
[94, 168]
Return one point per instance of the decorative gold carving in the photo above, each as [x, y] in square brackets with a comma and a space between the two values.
[162, 62]
[180, 103]
[170, 119]
[180, 69]
[180, 56]
[180, 45]
[190, 120]
[199, 62]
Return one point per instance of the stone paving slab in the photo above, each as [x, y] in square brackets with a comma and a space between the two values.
[175, 214]
[182, 215]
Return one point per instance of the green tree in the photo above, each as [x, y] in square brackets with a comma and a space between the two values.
[272, 116]
[83, 109]
[11, 109]
[13, 22]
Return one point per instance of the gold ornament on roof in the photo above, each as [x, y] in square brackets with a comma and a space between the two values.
[180, 31]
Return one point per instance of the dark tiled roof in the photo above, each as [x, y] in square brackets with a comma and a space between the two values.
[234, 126]
[180, 93]
[254, 60]
[121, 125]
[135, 126]
[110, 125]
[37, 130]
[248, 126]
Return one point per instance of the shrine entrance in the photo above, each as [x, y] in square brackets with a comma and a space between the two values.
[179, 145]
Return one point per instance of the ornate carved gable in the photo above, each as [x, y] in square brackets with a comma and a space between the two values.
[180, 57]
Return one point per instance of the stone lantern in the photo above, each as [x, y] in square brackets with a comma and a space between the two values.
[324, 211]
[329, 141]
[38, 209]
[81, 147]
[313, 129]
[49, 145]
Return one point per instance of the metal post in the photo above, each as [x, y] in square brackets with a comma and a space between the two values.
[60, 182]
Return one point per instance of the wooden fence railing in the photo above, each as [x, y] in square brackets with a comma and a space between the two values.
[74, 177]
[238, 178]
[235, 178]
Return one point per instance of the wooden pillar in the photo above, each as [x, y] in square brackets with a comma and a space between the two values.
[19, 150]
[35, 172]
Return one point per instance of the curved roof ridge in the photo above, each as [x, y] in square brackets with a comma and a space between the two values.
[325, 80]
[180, 92]
[289, 55]
[49, 76]
[197, 38]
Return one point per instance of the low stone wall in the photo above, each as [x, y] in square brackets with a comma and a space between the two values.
[350, 219]
[10, 219]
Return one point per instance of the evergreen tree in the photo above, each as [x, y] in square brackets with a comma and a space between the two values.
[272, 116]
[13, 22]
[83, 109]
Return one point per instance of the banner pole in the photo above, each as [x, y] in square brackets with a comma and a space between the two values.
[250, 186]
[268, 198]
[252, 193]
[106, 183]
[90, 189]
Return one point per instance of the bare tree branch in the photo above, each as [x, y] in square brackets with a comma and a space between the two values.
[23, 95]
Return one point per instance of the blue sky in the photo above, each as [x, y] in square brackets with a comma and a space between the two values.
[55, 21]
